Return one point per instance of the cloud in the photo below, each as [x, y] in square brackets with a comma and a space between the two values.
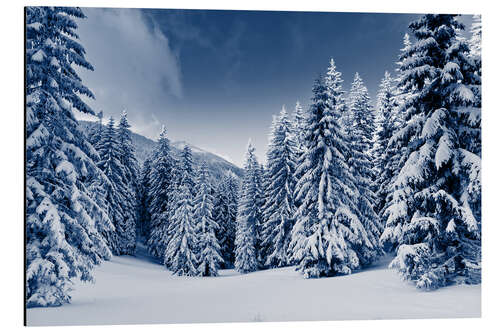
[134, 66]
[186, 28]
[231, 52]
[179, 24]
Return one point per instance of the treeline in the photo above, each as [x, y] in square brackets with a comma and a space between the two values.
[86, 197]
[187, 219]
[344, 182]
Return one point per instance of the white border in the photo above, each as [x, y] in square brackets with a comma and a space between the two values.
[11, 108]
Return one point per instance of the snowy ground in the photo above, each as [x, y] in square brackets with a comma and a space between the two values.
[136, 290]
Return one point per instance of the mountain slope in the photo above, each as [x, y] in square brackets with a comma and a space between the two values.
[217, 165]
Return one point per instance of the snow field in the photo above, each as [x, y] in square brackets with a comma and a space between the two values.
[136, 290]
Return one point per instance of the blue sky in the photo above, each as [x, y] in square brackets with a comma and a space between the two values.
[215, 78]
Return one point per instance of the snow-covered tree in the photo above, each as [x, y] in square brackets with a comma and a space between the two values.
[247, 221]
[143, 199]
[119, 195]
[299, 126]
[300, 122]
[395, 154]
[63, 221]
[127, 153]
[361, 154]
[182, 176]
[224, 214]
[96, 133]
[473, 133]
[476, 35]
[209, 257]
[328, 237]
[261, 180]
[186, 169]
[180, 253]
[385, 154]
[129, 162]
[161, 195]
[434, 217]
[401, 92]
[280, 205]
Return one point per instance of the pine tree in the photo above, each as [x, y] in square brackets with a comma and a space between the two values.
[261, 181]
[130, 164]
[401, 91]
[119, 196]
[472, 135]
[161, 192]
[247, 221]
[280, 205]
[476, 35]
[361, 159]
[96, 133]
[434, 216]
[182, 173]
[300, 131]
[180, 255]
[127, 153]
[327, 238]
[143, 198]
[186, 169]
[385, 161]
[224, 214]
[403, 94]
[396, 154]
[299, 127]
[63, 221]
[209, 257]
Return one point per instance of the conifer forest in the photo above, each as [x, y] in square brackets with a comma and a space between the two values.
[360, 196]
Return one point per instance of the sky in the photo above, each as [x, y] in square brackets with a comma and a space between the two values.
[216, 78]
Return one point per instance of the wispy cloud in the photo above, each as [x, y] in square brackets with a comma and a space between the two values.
[179, 26]
[135, 67]
[231, 51]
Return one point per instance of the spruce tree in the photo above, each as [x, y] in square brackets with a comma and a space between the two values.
[434, 217]
[401, 91]
[180, 253]
[96, 133]
[300, 131]
[261, 181]
[299, 127]
[280, 205]
[64, 223]
[186, 168]
[224, 214]
[209, 257]
[385, 163]
[328, 237]
[247, 221]
[143, 199]
[162, 196]
[182, 174]
[119, 195]
[130, 164]
[476, 35]
[396, 154]
[361, 154]
[472, 134]
[127, 153]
